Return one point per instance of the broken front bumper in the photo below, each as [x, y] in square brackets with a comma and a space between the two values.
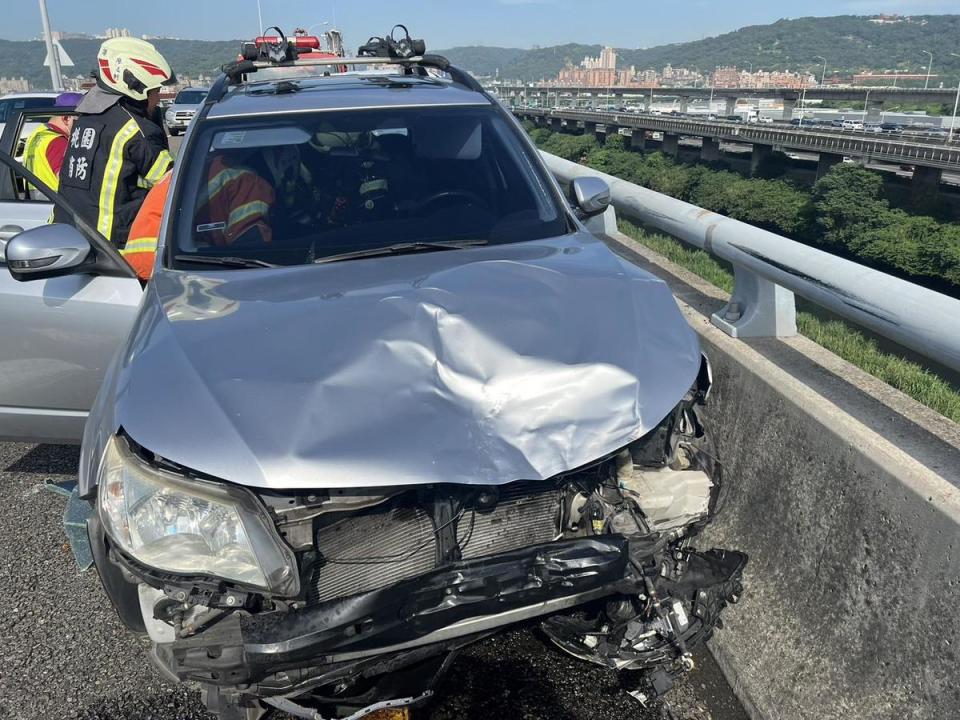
[435, 613]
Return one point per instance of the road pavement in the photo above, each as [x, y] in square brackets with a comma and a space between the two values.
[64, 654]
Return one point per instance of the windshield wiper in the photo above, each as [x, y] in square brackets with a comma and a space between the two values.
[225, 260]
[401, 249]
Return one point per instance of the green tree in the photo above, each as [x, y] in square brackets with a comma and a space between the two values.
[847, 202]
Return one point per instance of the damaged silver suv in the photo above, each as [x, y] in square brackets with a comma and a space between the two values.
[384, 397]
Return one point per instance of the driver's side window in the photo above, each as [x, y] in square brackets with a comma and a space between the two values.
[25, 204]
[40, 145]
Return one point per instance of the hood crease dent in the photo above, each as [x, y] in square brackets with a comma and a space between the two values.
[478, 366]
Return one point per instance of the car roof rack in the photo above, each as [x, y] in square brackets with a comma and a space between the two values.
[234, 73]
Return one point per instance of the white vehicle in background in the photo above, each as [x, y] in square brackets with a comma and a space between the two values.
[13, 102]
[178, 116]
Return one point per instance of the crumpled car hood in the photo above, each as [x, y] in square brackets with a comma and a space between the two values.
[484, 365]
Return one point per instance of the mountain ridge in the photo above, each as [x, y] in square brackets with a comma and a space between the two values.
[851, 43]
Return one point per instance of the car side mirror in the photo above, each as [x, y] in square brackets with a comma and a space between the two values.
[48, 251]
[591, 195]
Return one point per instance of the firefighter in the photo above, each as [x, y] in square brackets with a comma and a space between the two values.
[236, 204]
[45, 147]
[117, 152]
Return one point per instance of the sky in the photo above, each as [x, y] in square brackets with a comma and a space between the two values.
[445, 23]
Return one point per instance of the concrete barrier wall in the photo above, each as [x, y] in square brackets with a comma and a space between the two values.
[845, 494]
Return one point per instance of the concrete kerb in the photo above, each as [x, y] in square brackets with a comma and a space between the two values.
[854, 537]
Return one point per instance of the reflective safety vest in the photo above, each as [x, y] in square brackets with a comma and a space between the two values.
[236, 201]
[141, 247]
[43, 155]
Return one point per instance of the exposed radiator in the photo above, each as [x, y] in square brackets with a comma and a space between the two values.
[399, 540]
[526, 514]
[383, 546]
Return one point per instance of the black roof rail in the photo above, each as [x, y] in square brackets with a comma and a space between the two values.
[234, 72]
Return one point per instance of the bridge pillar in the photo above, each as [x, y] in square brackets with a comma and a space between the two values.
[874, 110]
[684, 104]
[607, 131]
[556, 124]
[710, 150]
[638, 140]
[926, 184]
[788, 107]
[671, 144]
[758, 155]
[731, 107]
[827, 161]
[589, 128]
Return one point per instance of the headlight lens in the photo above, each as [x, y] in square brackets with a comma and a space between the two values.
[190, 527]
[169, 115]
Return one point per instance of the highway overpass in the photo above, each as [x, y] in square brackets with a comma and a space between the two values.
[929, 157]
[876, 98]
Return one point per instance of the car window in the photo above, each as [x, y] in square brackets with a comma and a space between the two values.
[294, 191]
[190, 97]
[54, 126]
[11, 105]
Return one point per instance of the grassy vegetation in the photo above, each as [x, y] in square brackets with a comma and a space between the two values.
[845, 213]
[836, 336]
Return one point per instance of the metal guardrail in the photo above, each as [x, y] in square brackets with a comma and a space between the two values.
[940, 155]
[769, 269]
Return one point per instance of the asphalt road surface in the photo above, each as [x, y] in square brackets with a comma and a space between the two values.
[64, 653]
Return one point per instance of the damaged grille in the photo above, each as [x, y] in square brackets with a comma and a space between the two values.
[376, 548]
[525, 515]
[372, 550]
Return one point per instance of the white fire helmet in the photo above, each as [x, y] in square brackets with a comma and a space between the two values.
[132, 67]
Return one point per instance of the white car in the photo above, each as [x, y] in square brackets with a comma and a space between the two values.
[11, 102]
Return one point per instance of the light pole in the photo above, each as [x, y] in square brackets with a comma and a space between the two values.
[53, 52]
[824, 73]
[863, 120]
[953, 118]
[929, 68]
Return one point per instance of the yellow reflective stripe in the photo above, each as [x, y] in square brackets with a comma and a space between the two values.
[159, 168]
[144, 244]
[111, 174]
[221, 179]
[247, 210]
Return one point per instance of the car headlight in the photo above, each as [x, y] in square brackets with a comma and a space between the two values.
[169, 115]
[190, 527]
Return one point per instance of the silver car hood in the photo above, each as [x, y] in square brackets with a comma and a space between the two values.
[477, 366]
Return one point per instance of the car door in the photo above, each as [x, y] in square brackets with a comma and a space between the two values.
[15, 215]
[57, 335]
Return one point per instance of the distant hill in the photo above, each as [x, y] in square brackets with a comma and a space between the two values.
[186, 57]
[850, 44]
